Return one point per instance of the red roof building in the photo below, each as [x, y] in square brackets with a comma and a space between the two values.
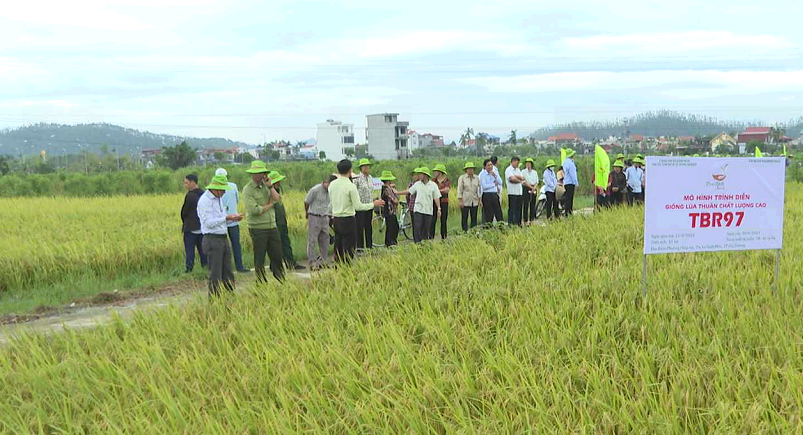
[564, 138]
[636, 137]
[761, 134]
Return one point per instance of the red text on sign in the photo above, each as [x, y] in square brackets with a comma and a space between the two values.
[716, 219]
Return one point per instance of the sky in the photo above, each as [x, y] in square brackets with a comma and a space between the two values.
[254, 71]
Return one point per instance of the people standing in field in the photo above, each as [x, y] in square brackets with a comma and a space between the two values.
[259, 200]
[231, 200]
[318, 211]
[550, 187]
[191, 225]
[491, 186]
[346, 202]
[213, 217]
[468, 196]
[444, 186]
[515, 191]
[365, 187]
[414, 176]
[427, 205]
[633, 175]
[391, 199]
[290, 262]
[530, 191]
[617, 183]
[570, 181]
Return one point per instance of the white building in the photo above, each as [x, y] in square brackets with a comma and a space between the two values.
[387, 137]
[332, 137]
[413, 140]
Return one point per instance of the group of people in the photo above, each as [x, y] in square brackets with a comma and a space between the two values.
[344, 202]
[626, 182]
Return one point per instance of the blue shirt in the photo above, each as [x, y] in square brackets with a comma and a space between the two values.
[569, 172]
[634, 178]
[212, 214]
[550, 180]
[230, 201]
[487, 182]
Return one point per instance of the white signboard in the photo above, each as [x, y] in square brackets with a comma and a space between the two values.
[697, 204]
[377, 183]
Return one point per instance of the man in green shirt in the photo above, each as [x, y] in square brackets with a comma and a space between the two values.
[281, 222]
[345, 204]
[260, 199]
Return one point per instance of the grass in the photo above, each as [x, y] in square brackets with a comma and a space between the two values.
[535, 330]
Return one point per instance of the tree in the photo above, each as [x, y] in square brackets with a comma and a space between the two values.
[512, 139]
[777, 133]
[245, 158]
[322, 155]
[751, 146]
[723, 149]
[348, 151]
[5, 165]
[465, 138]
[219, 156]
[178, 156]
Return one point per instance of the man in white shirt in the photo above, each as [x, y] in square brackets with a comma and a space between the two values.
[514, 179]
[635, 178]
[213, 217]
[570, 182]
[231, 201]
[427, 199]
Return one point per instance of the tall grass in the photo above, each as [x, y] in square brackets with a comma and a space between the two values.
[540, 330]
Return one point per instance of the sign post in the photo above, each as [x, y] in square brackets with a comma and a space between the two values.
[703, 204]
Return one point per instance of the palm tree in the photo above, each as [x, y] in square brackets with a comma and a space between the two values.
[777, 133]
[466, 136]
[513, 137]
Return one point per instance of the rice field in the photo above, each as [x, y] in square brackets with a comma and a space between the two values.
[539, 330]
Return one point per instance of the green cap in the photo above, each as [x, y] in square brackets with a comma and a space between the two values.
[276, 177]
[550, 163]
[696, 155]
[387, 176]
[570, 152]
[219, 182]
[424, 170]
[257, 167]
[640, 156]
[620, 156]
[469, 165]
[529, 160]
[618, 163]
[364, 162]
[440, 167]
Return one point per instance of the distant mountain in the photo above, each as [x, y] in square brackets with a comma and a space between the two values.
[661, 123]
[56, 138]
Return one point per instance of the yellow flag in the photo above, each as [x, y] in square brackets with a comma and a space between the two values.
[784, 150]
[562, 155]
[758, 152]
[602, 167]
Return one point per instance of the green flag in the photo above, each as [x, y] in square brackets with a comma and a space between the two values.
[562, 155]
[758, 152]
[784, 150]
[602, 167]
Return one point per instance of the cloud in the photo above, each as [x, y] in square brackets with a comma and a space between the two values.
[703, 83]
[656, 44]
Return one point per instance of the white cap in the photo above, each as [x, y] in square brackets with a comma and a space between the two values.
[221, 171]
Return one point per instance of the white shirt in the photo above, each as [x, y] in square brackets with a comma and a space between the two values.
[230, 200]
[531, 175]
[513, 188]
[212, 214]
[570, 172]
[425, 196]
[634, 177]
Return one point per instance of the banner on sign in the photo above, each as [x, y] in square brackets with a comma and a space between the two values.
[377, 183]
[713, 204]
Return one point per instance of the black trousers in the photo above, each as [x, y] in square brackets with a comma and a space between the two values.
[514, 209]
[345, 238]
[365, 233]
[551, 206]
[568, 199]
[617, 198]
[528, 206]
[267, 241]
[465, 212]
[603, 201]
[421, 227]
[391, 230]
[218, 252]
[444, 217]
[491, 208]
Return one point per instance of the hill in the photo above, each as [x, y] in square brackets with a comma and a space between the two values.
[57, 139]
[661, 123]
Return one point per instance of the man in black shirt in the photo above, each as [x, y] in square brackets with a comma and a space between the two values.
[191, 224]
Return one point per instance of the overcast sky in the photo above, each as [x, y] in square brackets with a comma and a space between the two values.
[250, 70]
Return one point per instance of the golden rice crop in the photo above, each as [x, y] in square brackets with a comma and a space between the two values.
[47, 240]
[540, 330]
